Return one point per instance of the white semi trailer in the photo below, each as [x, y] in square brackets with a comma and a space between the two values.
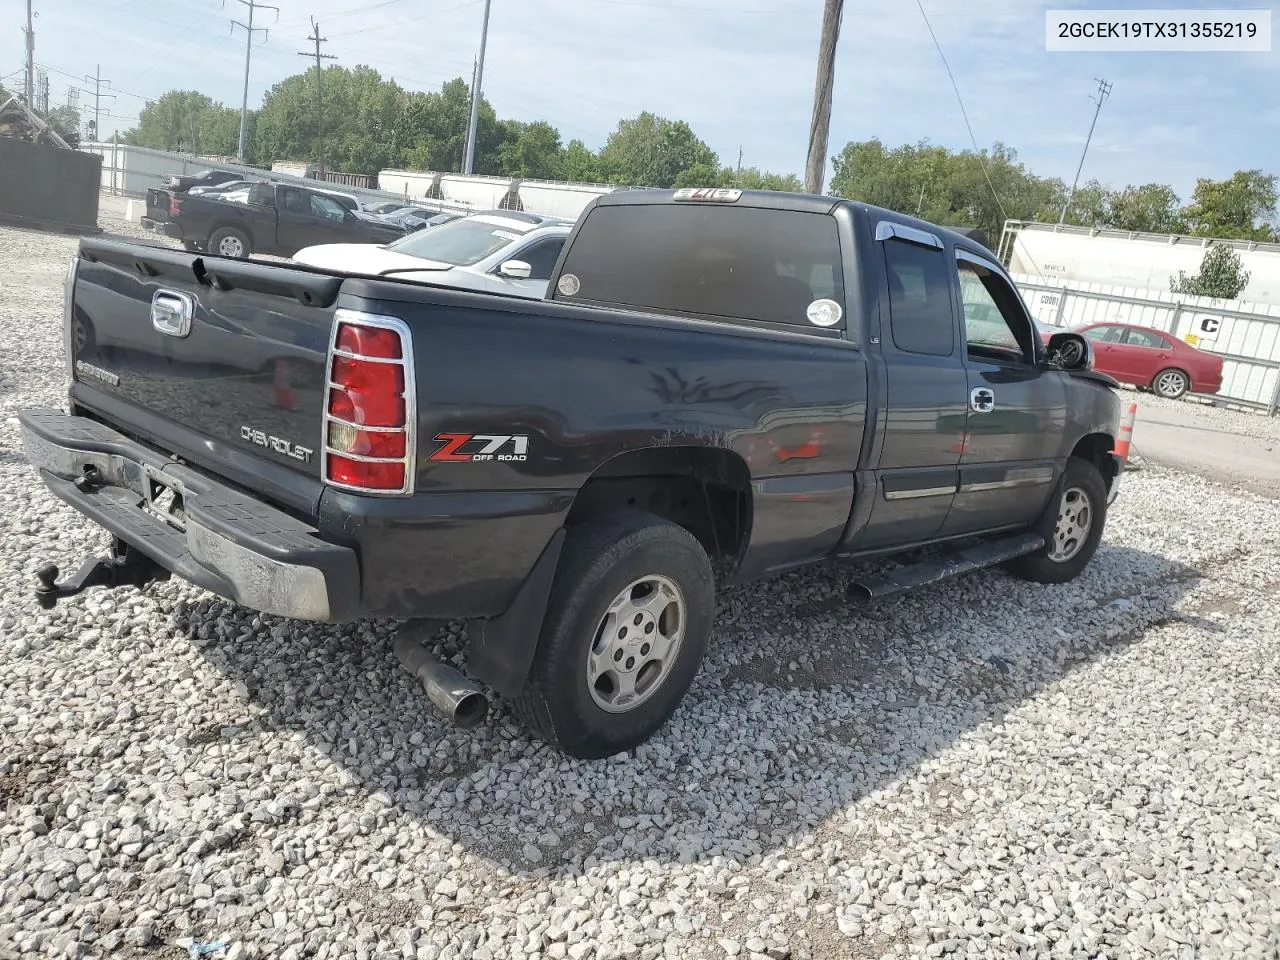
[1144, 260]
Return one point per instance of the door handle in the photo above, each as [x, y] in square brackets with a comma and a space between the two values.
[982, 400]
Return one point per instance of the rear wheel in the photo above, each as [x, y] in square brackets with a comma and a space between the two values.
[230, 242]
[625, 632]
[1071, 525]
[1170, 384]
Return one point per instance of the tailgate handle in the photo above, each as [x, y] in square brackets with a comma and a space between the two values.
[171, 312]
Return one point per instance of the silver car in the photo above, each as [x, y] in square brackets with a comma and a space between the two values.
[497, 252]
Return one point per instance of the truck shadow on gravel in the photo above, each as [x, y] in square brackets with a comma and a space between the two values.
[803, 706]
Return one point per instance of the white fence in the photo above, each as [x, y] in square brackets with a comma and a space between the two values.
[1246, 335]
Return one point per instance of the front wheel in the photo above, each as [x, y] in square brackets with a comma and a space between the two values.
[230, 242]
[1170, 384]
[625, 631]
[1072, 527]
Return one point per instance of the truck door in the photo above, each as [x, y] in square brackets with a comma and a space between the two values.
[926, 391]
[1016, 408]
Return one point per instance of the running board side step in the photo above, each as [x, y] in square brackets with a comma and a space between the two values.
[977, 557]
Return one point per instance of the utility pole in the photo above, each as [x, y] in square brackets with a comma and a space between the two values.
[815, 167]
[97, 82]
[739, 159]
[317, 40]
[470, 156]
[248, 29]
[1104, 91]
[29, 82]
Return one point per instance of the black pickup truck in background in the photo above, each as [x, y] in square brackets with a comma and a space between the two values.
[279, 219]
[719, 381]
[158, 198]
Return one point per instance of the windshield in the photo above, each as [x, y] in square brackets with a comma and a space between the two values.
[461, 243]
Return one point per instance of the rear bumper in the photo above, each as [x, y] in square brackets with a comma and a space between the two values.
[218, 537]
[172, 229]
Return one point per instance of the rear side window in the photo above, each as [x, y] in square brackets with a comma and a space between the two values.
[1144, 338]
[710, 261]
[920, 306]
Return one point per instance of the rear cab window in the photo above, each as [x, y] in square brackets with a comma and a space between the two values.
[720, 261]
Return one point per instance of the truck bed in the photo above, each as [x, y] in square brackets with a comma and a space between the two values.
[571, 387]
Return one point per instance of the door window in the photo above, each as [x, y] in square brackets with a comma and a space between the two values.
[1145, 338]
[920, 308]
[327, 207]
[995, 325]
[1104, 334]
[541, 257]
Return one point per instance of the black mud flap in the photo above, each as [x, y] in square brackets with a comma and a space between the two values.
[500, 650]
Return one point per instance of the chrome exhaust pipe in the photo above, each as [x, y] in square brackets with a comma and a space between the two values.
[460, 700]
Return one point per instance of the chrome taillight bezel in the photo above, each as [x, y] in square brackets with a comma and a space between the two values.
[68, 316]
[359, 318]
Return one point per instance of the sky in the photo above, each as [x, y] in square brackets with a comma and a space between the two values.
[740, 72]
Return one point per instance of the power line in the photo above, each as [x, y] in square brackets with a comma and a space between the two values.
[73, 76]
[1104, 91]
[317, 40]
[815, 166]
[422, 16]
[249, 30]
[982, 160]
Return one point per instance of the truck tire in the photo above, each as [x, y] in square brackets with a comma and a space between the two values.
[230, 242]
[626, 628]
[1072, 527]
[1171, 384]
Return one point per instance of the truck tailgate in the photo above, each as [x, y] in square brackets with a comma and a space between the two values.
[221, 362]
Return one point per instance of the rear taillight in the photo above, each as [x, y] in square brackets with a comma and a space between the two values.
[175, 206]
[369, 405]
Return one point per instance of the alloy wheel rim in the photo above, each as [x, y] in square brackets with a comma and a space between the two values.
[1075, 519]
[636, 643]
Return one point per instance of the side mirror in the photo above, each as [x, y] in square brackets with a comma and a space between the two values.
[515, 270]
[1069, 351]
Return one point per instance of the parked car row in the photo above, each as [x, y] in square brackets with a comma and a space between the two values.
[499, 251]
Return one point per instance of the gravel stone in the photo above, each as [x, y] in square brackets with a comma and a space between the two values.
[981, 768]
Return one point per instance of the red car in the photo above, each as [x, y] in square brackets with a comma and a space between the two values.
[1149, 358]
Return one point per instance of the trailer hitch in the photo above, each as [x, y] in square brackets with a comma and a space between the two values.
[125, 567]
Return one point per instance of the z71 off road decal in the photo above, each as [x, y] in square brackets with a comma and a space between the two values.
[476, 447]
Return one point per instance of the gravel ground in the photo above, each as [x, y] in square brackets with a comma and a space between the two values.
[984, 768]
[1243, 423]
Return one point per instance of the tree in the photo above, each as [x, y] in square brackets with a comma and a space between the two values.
[1150, 208]
[1242, 207]
[652, 151]
[189, 122]
[65, 120]
[530, 150]
[1222, 275]
[1089, 205]
[579, 164]
[955, 189]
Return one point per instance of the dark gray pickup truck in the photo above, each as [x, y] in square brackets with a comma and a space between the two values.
[718, 381]
[278, 219]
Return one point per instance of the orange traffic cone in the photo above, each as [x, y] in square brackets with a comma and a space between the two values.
[1125, 437]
